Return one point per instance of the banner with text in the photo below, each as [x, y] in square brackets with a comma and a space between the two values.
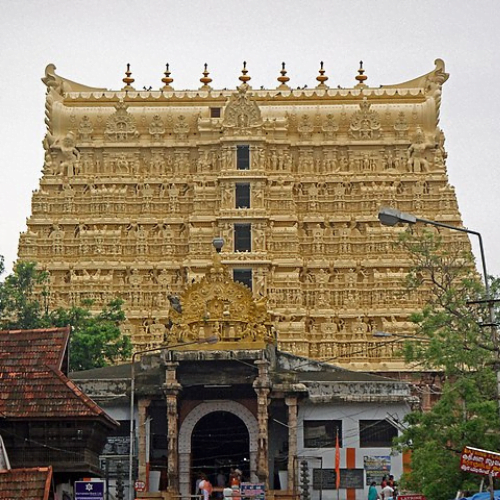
[480, 462]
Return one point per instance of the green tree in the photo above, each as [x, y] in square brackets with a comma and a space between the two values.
[22, 305]
[95, 341]
[451, 342]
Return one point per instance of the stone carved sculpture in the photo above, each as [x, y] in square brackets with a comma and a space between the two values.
[416, 153]
[181, 128]
[401, 127]
[70, 155]
[365, 123]
[85, 129]
[157, 128]
[121, 125]
[241, 113]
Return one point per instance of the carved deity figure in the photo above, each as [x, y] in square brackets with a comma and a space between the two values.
[157, 164]
[70, 155]
[121, 126]
[401, 126]
[241, 112]
[85, 129]
[157, 128]
[330, 127]
[181, 128]
[305, 127]
[416, 158]
[365, 123]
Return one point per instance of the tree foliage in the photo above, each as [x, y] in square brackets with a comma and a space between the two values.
[95, 341]
[451, 342]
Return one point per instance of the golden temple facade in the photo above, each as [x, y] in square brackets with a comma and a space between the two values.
[136, 184]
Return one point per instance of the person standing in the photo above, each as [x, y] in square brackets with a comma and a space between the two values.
[221, 483]
[205, 487]
[387, 492]
[372, 491]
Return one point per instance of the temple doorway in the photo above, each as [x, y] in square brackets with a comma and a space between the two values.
[220, 441]
[186, 442]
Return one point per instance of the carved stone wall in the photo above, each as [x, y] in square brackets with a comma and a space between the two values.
[135, 186]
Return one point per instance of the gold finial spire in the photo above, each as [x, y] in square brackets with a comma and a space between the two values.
[166, 79]
[321, 77]
[361, 77]
[127, 80]
[205, 79]
[283, 79]
[244, 78]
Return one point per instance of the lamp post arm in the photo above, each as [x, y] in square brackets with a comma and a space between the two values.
[391, 216]
[468, 231]
[131, 445]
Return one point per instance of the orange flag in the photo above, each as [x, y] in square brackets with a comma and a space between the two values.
[337, 462]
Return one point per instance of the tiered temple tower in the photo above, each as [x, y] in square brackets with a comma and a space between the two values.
[137, 184]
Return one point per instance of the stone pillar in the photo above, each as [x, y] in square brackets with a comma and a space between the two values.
[291, 402]
[171, 388]
[262, 386]
[142, 405]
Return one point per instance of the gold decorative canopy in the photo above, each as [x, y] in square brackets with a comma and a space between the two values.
[219, 306]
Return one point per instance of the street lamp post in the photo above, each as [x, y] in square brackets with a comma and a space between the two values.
[208, 340]
[391, 216]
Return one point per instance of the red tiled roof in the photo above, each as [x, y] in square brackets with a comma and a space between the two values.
[44, 394]
[25, 484]
[33, 386]
[28, 350]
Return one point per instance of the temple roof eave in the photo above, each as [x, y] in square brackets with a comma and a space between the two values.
[64, 85]
[343, 95]
[76, 93]
[421, 82]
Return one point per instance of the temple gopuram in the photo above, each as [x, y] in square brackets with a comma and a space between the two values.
[136, 185]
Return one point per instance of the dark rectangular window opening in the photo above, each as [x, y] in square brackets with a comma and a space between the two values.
[322, 433]
[242, 237]
[243, 276]
[243, 157]
[376, 434]
[242, 195]
[214, 112]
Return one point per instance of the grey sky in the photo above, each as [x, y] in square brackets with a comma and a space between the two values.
[91, 41]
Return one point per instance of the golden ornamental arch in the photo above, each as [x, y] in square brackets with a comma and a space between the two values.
[219, 306]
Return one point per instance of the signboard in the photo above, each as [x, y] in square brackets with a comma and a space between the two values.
[85, 490]
[324, 479]
[253, 490]
[411, 497]
[376, 468]
[117, 445]
[140, 486]
[480, 462]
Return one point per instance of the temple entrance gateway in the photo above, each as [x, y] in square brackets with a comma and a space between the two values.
[220, 441]
[234, 414]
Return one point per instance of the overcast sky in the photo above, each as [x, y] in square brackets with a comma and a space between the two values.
[91, 41]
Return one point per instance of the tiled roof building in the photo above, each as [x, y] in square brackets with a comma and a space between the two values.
[46, 419]
[25, 484]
